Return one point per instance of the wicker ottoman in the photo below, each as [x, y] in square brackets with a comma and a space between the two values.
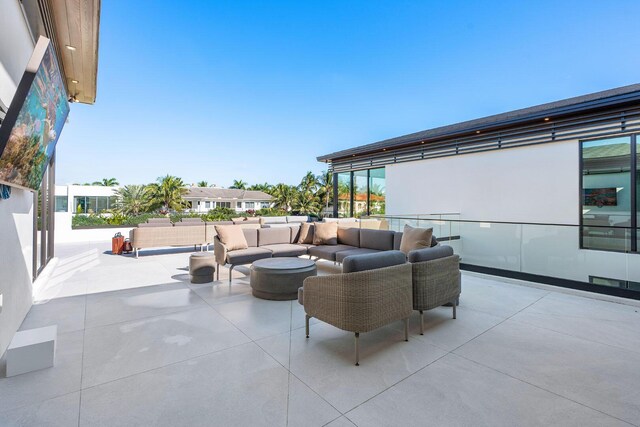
[280, 278]
[202, 267]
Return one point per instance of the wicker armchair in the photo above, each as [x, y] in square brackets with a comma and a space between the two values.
[436, 279]
[360, 301]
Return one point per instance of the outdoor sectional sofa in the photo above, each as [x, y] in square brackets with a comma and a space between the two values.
[282, 242]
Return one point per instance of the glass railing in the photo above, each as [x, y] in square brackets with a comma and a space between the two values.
[597, 256]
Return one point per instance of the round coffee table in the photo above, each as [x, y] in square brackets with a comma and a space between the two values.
[280, 278]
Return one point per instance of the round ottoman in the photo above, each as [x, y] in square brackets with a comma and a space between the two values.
[280, 278]
[201, 267]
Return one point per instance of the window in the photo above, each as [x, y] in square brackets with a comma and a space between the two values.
[344, 194]
[224, 204]
[249, 205]
[207, 205]
[93, 204]
[265, 205]
[361, 193]
[606, 193]
[239, 205]
[62, 204]
[377, 191]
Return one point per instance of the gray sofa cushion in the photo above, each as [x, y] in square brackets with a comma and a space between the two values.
[273, 236]
[328, 252]
[251, 234]
[246, 256]
[397, 238]
[285, 249]
[354, 263]
[429, 254]
[340, 256]
[349, 236]
[381, 240]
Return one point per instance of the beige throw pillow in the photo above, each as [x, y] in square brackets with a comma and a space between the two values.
[232, 237]
[415, 238]
[306, 233]
[325, 233]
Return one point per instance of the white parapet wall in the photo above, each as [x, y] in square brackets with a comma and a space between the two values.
[65, 234]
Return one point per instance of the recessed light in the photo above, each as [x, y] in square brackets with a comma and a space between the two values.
[546, 119]
[384, 149]
[477, 131]
[74, 81]
[71, 48]
[422, 142]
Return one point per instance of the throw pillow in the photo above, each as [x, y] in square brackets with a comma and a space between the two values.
[325, 233]
[306, 233]
[415, 238]
[232, 237]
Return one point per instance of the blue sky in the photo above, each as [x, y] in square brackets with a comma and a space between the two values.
[223, 90]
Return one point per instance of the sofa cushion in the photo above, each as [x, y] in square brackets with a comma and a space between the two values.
[381, 240]
[306, 233]
[429, 254]
[285, 249]
[295, 233]
[272, 236]
[397, 239]
[415, 238]
[349, 236]
[372, 261]
[158, 220]
[232, 237]
[251, 234]
[328, 252]
[196, 220]
[325, 233]
[340, 256]
[186, 224]
[246, 256]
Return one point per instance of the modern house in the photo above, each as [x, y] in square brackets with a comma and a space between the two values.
[27, 217]
[550, 191]
[203, 199]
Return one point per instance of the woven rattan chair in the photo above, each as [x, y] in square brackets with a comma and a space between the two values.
[436, 279]
[360, 301]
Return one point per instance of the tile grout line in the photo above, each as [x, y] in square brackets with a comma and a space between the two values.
[84, 334]
[288, 360]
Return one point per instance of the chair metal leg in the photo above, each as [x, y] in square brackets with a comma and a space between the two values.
[357, 348]
[217, 271]
[421, 322]
[230, 270]
[406, 329]
[136, 249]
[306, 324]
[454, 309]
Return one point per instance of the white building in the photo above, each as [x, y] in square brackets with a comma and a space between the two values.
[203, 199]
[549, 193]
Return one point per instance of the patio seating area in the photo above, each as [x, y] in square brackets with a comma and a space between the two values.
[138, 344]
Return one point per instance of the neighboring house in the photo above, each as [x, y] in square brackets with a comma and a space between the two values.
[84, 199]
[203, 199]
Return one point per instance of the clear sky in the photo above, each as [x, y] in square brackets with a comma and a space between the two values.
[223, 90]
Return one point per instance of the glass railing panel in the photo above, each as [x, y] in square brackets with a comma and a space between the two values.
[487, 244]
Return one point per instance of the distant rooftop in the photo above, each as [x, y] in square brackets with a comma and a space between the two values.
[226, 193]
[578, 104]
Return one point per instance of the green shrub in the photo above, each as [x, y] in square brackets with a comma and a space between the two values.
[271, 212]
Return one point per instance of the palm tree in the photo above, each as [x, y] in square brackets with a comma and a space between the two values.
[167, 193]
[239, 184]
[284, 196]
[265, 188]
[132, 199]
[309, 183]
[325, 184]
[307, 202]
[202, 184]
[107, 182]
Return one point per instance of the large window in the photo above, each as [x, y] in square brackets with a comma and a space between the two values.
[248, 205]
[608, 199]
[361, 193]
[93, 204]
[62, 204]
[223, 204]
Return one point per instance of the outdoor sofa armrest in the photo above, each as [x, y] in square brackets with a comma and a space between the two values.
[219, 251]
[360, 301]
[436, 282]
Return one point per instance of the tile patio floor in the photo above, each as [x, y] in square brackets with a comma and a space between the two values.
[138, 345]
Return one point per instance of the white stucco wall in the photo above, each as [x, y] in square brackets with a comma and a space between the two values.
[16, 213]
[528, 184]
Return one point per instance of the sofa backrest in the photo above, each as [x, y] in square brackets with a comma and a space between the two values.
[196, 220]
[348, 236]
[159, 220]
[295, 232]
[251, 234]
[297, 218]
[155, 224]
[274, 235]
[354, 263]
[429, 254]
[381, 240]
[273, 220]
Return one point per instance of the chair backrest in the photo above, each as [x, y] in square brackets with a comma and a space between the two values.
[274, 235]
[251, 234]
[364, 262]
[381, 240]
[348, 236]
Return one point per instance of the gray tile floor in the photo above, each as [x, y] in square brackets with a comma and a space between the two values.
[140, 346]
